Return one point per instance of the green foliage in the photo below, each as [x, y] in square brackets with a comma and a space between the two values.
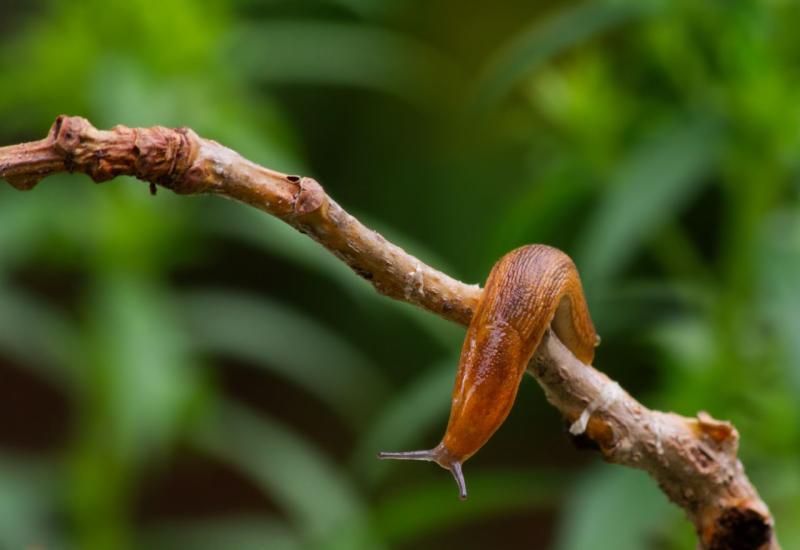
[626, 499]
[656, 142]
[310, 356]
[318, 499]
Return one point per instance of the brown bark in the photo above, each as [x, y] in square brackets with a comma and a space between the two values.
[694, 460]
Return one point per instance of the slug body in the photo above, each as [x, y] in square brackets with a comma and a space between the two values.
[529, 290]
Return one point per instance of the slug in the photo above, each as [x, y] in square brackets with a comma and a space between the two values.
[529, 290]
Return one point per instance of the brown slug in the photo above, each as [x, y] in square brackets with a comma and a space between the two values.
[528, 290]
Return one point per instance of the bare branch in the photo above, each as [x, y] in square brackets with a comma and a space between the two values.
[694, 460]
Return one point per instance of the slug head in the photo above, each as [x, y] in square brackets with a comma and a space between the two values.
[439, 455]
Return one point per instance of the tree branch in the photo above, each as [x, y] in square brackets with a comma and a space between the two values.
[694, 460]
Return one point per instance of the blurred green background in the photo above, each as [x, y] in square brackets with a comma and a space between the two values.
[189, 373]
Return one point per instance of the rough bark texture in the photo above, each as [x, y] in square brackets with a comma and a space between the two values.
[694, 460]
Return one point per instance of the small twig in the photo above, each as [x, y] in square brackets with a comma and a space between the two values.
[694, 460]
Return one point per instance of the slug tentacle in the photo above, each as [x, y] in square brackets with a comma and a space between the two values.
[458, 475]
[441, 456]
[428, 455]
[529, 290]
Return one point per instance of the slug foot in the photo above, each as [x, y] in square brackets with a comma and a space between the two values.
[439, 455]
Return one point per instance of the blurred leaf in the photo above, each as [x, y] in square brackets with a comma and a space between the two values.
[136, 387]
[687, 340]
[539, 209]
[619, 508]
[277, 338]
[240, 533]
[140, 357]
[372, 9]
[778, 482]
[126, 92]
[648, 303]
[410, 412]
[312, 491]
[779, 293]
[51, 63]
[546, 39]
[136, 379]
[367, 9]
[47, 226]
[416, 511]
[27, 501]
[253, 227]
[36, 334]
[650, 188]
[18, 221]
[313, 52]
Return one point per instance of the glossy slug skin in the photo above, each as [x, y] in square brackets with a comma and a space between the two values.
[530, 289]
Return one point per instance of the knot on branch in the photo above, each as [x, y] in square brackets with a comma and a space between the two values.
[158, 154]
[718, 431]
[66, 133]
[740, 529]
[309, 197]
